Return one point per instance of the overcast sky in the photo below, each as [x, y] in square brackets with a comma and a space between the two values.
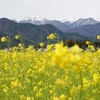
[51, 9]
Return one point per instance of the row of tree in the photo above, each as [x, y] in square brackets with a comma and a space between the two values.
[81, 43]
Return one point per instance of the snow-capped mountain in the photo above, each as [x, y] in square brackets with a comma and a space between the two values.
[67, 19]
[43, 20]
[81, 22]
[62, 24]
[38, 20]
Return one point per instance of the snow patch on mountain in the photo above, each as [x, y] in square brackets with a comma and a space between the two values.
[38, 19]
[86, 21]
[67, 19]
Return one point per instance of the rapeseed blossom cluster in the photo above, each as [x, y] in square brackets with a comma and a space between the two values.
[41, 44]
[98, 37]
[17, 36]
[51, 36]
[59, 73]
[63, 56]
[3, 39]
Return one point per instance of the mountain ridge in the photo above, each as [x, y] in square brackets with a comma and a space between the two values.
[33, 34]
[63, 24]
[87, 30]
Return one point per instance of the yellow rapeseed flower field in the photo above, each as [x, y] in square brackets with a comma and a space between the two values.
[59, 73]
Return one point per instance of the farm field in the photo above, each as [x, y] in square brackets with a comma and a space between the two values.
[59, 73]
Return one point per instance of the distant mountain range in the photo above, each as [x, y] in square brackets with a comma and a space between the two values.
[33, 34]
[63, 24]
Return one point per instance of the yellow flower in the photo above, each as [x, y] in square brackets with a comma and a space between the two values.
[41, 44]
[31, 47]
[49, 47]
[72, 92]
[98, 37]
[96, 77]
[56, 98]
[86, 83]
[20, 45]
[70, 98]
[88, 42]
[15, 83]
[28, 98]
[35, 88]
[22, 97]
[3, 39]
[62, 97]
[39, 94]
[76, 49]
[4, 90]
[17, 37]
[50, 91]
[61, 55]
[94, 91]
[48, 37]
[52, 36]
